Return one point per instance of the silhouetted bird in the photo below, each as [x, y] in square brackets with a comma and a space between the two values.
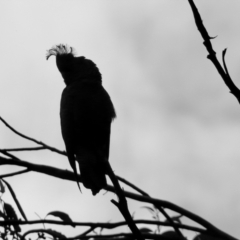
[86, 114]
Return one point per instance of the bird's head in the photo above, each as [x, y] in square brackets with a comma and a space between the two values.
[73, 68]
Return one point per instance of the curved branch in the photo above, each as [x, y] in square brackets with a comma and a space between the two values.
[212, 54]
[125, 236]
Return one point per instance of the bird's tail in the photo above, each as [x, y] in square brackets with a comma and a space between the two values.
[92, 169]
[71, 159]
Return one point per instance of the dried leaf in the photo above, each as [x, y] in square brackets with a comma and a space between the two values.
[145, 230]
[63, 216]
[152, 210]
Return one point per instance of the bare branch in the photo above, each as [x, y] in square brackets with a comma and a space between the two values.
[8, 154]
[14, 173]
[212, 54]
[23, 149]
[32, 139]
[100, 225]
[122, 204]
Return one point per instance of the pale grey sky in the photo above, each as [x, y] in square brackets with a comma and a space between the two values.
[177, 130]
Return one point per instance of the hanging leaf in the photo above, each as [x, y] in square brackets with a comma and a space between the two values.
[145, 230]
[175, 219]
[172, 235]
[63, 216]
[149, 209]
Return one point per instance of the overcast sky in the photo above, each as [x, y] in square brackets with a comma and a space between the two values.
[177, 131]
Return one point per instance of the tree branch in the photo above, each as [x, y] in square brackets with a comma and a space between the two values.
[14, 173]
[24, 149]
[123, 236]
[67, 175]
[122, 204]
[159, 207]
[100, 225]
[32, 139]
[212, 54]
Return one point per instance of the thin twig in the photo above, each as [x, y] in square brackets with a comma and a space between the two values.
[9, 154]
[132, 186]
[24, 149]
[224, 63]
[87, 231]
[32, 139]
[14, 173]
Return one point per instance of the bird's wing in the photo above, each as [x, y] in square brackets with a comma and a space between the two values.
[93, 113]
[67, 127]
[92, 122]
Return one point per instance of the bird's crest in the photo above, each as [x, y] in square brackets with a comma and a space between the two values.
[60, 49]
[71, 67]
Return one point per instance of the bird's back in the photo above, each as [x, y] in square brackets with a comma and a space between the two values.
[87, 111]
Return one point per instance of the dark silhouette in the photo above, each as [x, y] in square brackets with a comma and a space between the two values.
[86, 115]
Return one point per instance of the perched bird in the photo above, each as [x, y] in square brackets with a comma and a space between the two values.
[86, 114]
